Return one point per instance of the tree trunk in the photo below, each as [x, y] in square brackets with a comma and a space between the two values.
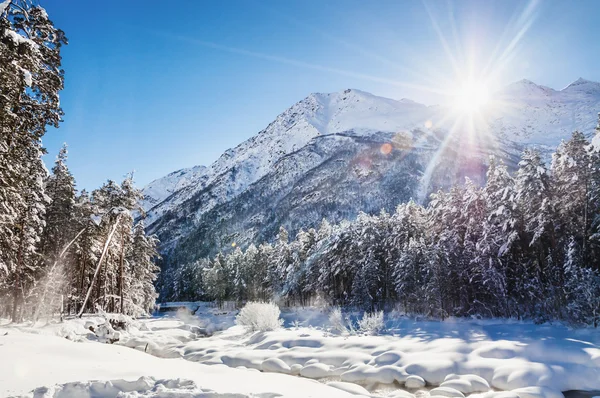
[105, 284]
[17, 287]
[81, 285]
[121, 270]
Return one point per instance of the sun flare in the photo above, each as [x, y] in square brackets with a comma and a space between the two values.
[471, 96]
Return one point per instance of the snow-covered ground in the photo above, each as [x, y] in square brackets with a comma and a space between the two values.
[412, 358]
[40, 359]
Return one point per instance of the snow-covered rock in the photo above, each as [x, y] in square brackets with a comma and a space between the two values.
[414, 381]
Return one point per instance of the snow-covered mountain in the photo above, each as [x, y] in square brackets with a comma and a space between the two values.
[159, 190]
[333, 155]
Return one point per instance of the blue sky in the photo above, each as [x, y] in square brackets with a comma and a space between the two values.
[158, 86]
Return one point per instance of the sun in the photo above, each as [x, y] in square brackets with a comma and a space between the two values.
[471, 96]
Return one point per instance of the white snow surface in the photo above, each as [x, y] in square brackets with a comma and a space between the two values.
[484, 359]
[40, 363]
[523, 113]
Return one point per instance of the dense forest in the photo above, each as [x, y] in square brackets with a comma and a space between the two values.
[525, 245]
[60, 251]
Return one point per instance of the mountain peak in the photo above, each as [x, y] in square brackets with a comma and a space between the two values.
[525, 82]
[582, 84]
[526, 89]
[344, 94]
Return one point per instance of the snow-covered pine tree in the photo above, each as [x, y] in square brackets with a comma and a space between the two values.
[581, 288]
[239, 277]
[572, 183]
[280, 261]
[534, 200]
[87, 248]
[593, 251]
[315, 261]
[265, 254]
[254, 272]
[499, 237]
[31, 76]
[142, 271]
[406, 254]
[410, 275]
[115, 204]
[447, 224]
[216, 279]
[60, 228]
[60, 212]
[29, 226]
[295, 286]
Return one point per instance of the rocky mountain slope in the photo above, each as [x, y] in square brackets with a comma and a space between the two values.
[333, 155]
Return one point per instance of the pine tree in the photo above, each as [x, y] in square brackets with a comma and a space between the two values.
[31, 80]
[500, 238]
[142, 271]
[572, 181]
[60, 212]
[29, 227]
[534, 200]
[87, 249]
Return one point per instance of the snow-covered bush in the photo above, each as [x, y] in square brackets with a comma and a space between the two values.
[106, 334]
[337, 321]
[371, 323]
[256, 316]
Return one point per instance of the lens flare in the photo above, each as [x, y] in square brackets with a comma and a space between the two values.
[403, 141]
[386, 149]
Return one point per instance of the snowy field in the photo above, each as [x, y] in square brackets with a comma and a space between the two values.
[168, 356]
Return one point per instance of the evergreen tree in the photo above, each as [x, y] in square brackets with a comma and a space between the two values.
[140, 295]
[31, 80]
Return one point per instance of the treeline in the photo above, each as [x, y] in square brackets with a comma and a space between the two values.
[59, 250]
[525, 245]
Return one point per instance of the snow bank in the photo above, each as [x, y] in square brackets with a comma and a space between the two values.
[30, 361]
[461, 358]
[481, 359]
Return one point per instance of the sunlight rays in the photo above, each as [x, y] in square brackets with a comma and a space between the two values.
[470, 92]
[467, 84]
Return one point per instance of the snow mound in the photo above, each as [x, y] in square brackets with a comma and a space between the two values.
[413, 381]
[459, 358]
[466, 384]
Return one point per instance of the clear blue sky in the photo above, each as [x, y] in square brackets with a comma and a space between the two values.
[157, 86]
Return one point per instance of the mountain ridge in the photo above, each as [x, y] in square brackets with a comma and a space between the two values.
[316, 130]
